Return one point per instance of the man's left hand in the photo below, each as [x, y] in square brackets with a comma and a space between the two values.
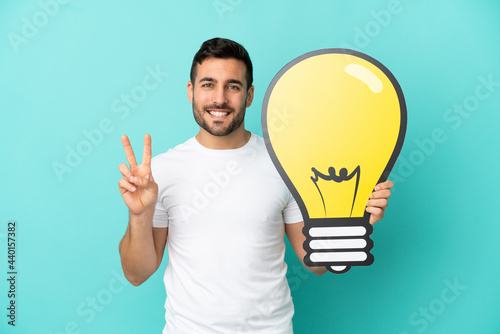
[377, 203]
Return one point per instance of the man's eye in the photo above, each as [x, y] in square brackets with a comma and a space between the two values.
[234, 87]
[207, 85]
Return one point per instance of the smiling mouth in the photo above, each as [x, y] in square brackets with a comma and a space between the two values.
[217, 113]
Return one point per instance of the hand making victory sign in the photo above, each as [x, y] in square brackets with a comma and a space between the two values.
[138, 189]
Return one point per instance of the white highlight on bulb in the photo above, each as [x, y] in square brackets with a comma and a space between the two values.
[368, 77]
[337, 231]
[338, 256]
[338, 244]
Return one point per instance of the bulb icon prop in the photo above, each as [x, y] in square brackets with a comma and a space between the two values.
[334, 122]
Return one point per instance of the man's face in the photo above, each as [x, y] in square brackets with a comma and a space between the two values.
[219, 95]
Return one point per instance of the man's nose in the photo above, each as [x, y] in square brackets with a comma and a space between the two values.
[219, 96]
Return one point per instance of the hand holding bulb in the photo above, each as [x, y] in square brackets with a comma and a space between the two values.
[377, 203]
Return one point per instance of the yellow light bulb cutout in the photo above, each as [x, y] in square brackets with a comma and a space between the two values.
[334, 122]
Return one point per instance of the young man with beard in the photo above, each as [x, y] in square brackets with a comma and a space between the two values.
[221, 209]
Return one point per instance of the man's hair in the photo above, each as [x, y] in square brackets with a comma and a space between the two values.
[222, 48]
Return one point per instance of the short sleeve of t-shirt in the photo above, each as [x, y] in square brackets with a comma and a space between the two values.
[291, 213]
[160, 217]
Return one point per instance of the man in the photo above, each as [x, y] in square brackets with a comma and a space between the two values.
[220, 207]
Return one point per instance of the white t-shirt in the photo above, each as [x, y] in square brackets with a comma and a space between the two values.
[225, 211]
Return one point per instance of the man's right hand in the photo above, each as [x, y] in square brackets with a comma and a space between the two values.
[138, 189]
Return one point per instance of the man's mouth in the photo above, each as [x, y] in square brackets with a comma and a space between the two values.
[218, 113]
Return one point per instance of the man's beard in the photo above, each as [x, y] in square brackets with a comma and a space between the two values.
[217, 129]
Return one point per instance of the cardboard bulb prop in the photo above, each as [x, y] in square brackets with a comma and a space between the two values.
[334, 121]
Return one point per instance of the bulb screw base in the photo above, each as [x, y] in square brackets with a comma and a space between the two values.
[338, 243]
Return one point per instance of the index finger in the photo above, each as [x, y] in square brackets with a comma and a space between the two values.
[146, 152]
[129, 153]
[384, 185]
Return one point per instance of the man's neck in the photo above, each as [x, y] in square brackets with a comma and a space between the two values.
[235, 139]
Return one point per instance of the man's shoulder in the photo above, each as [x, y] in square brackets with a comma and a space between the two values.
[258, 139]
[187, 146]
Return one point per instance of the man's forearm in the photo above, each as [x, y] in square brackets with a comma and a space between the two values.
[317, 270]
[137, 249]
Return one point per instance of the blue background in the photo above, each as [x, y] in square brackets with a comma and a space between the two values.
[64, 69]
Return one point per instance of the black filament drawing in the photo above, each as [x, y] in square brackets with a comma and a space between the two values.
[332, 176]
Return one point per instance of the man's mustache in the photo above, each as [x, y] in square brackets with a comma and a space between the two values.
[219, 106]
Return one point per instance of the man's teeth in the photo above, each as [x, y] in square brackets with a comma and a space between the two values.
[218, 113]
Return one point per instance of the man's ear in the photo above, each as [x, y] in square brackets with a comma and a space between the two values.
[190, 88]
[250, 96]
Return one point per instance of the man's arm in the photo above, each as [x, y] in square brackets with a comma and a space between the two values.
[296, 238]
[142, 247]
[376, 206]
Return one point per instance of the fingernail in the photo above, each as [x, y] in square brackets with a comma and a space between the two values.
[132, 188]
[377, 188]
[131, 178]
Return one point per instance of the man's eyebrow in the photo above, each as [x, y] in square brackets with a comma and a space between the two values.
[207, 79]
[235, 81]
